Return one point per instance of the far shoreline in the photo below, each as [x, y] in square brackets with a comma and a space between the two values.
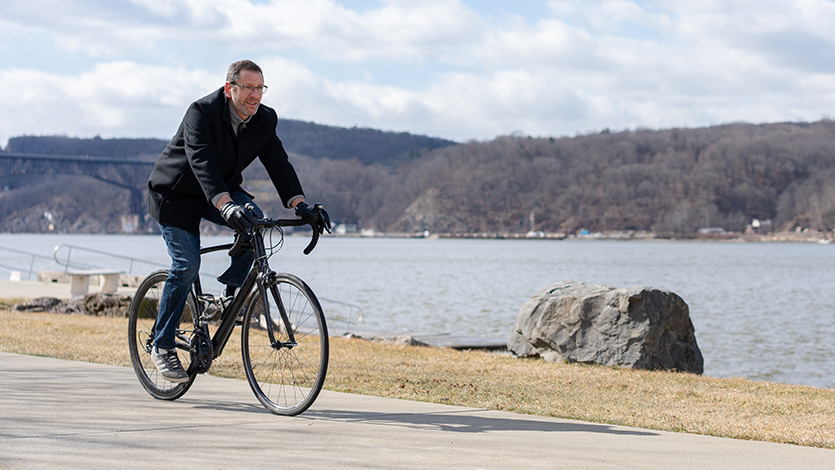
[780, 237]
[823, 238]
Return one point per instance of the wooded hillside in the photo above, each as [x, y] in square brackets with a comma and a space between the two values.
[368, 146]
[671, 182]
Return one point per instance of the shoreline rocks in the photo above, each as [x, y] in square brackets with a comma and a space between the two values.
[96, 304]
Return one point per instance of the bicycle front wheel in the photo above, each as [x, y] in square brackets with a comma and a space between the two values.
[144, 309]
[286, 372]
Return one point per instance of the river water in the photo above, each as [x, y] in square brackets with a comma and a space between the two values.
[763, 311]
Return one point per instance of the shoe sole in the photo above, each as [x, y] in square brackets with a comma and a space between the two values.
[176, 380]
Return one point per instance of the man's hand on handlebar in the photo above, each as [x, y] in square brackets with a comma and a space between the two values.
[237, 216]
[317, 214]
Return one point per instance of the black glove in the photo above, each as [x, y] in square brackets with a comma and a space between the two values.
[317, 214]
[236, 216]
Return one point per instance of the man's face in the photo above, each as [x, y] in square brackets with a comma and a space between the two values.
[243, 102]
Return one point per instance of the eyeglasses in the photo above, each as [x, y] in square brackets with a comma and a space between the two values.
[248, 89]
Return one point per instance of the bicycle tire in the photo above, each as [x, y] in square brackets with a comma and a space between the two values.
[144, 308]
[286, 380]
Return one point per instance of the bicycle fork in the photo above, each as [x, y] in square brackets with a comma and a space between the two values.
[270, 281]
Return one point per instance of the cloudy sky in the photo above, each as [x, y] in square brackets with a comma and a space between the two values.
[458, 69]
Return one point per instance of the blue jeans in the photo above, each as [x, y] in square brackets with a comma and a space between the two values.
[184, 249]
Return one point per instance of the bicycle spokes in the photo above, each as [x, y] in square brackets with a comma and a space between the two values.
[286, 351]
[143, 312]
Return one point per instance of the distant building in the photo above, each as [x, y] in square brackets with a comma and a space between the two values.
[759, 227]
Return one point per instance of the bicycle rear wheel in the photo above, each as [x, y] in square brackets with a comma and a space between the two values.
[144, 309]
[285, 377]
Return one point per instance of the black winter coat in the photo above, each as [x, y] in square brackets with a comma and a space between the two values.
[205, 159]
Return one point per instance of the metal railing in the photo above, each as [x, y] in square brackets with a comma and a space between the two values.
[342, 316]
[129, 261]
[343, 313]
[27, 258]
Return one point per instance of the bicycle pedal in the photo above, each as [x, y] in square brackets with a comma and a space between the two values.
[211, 307]
[209, 312]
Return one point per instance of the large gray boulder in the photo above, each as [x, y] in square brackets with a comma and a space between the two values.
[636, 327]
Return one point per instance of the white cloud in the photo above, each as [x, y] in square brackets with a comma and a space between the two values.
[112, 99]
[439, 67]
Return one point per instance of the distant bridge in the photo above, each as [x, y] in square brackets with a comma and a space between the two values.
[124, 173]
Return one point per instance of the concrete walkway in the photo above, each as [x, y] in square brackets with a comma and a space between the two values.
[64, 414]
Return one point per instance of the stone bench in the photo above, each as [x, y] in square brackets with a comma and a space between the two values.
[80, 280]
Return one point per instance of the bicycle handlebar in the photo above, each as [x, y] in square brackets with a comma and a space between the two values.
[272, 223]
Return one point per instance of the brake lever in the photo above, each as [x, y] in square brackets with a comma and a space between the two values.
[240, 238]
[323, 217]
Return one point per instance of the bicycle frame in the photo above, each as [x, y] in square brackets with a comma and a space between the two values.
[259, 276]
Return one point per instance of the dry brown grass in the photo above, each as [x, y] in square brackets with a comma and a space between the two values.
[735, 408]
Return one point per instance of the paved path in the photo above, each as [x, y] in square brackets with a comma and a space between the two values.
[65, 414]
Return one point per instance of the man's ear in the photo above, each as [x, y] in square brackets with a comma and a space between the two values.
[227, 90]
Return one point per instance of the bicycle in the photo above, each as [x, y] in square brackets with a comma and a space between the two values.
[284, 336]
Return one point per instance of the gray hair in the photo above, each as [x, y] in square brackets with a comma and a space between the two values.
[234, 71]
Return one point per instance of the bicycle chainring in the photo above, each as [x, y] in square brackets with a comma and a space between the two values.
[205, 351]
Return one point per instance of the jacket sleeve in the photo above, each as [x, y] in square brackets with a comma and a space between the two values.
[201, 150]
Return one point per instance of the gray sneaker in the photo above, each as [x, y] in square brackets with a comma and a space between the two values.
[168, 364]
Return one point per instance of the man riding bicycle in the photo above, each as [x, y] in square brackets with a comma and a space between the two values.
[199, 176]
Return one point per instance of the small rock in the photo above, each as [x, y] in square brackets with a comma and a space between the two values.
[107, 305]
[403, 339]
[41, 304]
